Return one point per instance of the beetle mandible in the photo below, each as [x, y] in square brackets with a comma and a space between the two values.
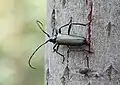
[60, 39]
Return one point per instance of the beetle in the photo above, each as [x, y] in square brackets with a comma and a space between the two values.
[60, 39]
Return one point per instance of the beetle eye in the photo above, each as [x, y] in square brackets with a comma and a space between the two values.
[51, 40]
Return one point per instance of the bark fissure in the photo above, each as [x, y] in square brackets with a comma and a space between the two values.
[109, 29]
[66, 73]
[89, 30]
[53, 21]
[47, 76]
[63, 3]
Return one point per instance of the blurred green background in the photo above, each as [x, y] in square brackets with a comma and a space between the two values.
[19, 37]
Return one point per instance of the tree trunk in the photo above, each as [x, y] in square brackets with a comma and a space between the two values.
[98, 64]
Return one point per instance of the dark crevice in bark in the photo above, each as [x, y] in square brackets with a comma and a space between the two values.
[89, 24]
[47, 76]
[86, 2]
[109, 29]
[87, 72]
[87, 58]
[53, 21]
[66, 73]
[89, 83]
[63, 3]
[109, 71]
[89, 30]
[63, 80]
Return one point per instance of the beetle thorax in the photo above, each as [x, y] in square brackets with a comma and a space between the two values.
[53, 39]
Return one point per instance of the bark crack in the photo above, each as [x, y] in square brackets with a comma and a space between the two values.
[47, 76]
[109, 71]
[63, 3]
[66, 73]
[53, 21]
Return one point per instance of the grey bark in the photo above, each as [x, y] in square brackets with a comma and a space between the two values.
[102, 67]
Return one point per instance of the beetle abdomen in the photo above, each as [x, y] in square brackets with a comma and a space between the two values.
[70, 40]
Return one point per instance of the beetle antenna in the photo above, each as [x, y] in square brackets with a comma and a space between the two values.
[39, 23]
[29, 61]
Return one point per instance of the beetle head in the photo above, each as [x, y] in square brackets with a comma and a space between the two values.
[53, 39]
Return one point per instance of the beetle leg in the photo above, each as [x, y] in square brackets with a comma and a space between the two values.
[57, 47]
[65, 25]
[62, 27]
[62, 56]
[79, 24]
[69, 28]
[54, 47]
[56, 50]
[70, 25]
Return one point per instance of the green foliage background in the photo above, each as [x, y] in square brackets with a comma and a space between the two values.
[19, 37]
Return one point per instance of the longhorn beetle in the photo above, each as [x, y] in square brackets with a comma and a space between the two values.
[61, 39]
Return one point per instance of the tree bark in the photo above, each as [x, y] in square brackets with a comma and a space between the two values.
[101, 67]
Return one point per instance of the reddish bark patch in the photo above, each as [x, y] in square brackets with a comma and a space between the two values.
[89, 24]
